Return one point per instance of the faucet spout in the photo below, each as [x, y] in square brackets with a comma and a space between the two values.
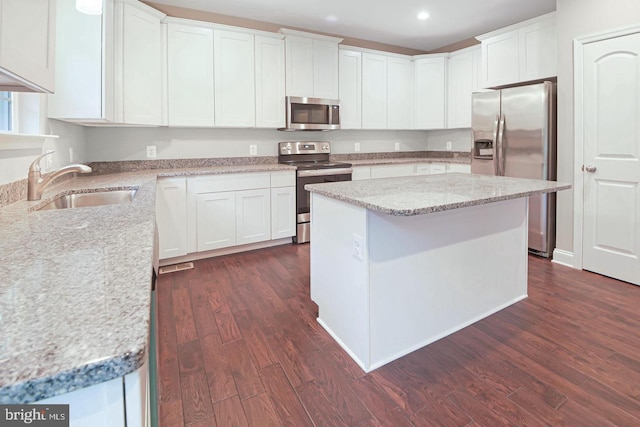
[36, 184]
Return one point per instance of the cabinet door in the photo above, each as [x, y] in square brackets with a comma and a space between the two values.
[171, 216]
[215, 220]
[423, 169]
[142, 67]
[538, 52]
[438, 168]
[270, 78]
[350, 89]
[234, 73]
[399, 93]
[325, 69]
[374, 91]
[500, 59]
[430, 93]
[283, 212]
[299, 66]
[190, 75]
[460, 89]
[27, 42]
[253, 216]
[458, 167]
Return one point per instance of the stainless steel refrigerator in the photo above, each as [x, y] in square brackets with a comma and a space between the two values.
[514, 134]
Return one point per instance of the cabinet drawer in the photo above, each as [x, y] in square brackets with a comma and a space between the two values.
[283, 179]
[389, 171]
[229, 182]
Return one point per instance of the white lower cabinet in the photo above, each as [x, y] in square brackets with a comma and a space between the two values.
[407, 169]
[389, 171]
[216, 220]
[283, 208]
[360, 173]
[120, 402]
[253, 216]
[171, 216]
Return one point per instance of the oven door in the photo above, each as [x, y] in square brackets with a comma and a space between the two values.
[303, 197]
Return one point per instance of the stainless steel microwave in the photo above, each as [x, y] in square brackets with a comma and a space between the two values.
[312, 114]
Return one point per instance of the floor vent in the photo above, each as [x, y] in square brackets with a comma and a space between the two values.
[176, 267]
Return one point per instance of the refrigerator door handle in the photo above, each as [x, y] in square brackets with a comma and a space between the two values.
[500, 166]
[496, 125]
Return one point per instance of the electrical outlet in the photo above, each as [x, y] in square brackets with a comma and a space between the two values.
[151, 152]
[72, 156]
[449, 145]
[397, 146]
[358, 246]
[356, 146]
[253, 150]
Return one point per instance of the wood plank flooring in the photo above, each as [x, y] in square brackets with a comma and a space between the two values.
[239, 346]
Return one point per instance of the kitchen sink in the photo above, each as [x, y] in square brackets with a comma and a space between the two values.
[82, 200]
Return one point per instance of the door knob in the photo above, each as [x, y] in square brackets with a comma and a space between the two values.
[590, 168]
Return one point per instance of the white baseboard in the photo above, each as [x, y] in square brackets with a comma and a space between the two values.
[563, 257]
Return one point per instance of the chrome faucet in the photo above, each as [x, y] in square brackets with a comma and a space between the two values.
[36, 183]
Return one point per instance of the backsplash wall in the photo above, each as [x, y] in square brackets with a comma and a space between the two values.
[114, 144]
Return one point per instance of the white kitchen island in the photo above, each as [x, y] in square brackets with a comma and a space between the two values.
[398, 263]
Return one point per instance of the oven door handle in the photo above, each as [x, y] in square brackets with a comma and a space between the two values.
[324, 172]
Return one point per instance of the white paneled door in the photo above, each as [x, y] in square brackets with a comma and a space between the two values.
[611, 178]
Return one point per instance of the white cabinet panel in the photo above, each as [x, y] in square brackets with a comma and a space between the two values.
[215, 220]
[430, 93]
[190, 75]
[299, 66]
[423, 169]
[360, 173]
[350, 89]
[171, 216]
[461, 85]
[438, 168]
[400, 93]
[538, 51]
[27, 43]
[253, 216]
[459, 167]
[374, 91]
[234, 75]
[142, 59]
[500, 62]
[270, 82]
[325, 69]
[389, 171]
[283, 210]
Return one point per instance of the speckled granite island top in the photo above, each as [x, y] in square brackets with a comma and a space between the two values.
[417, 195]
[75, 285]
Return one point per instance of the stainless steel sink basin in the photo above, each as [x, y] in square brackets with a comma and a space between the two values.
[82, 200]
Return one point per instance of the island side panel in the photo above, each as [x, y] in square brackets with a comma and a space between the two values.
[434, 274]
[339, 280]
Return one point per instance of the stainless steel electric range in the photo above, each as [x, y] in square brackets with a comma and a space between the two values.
[313, 166]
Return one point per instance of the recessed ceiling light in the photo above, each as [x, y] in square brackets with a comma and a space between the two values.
[423, 15]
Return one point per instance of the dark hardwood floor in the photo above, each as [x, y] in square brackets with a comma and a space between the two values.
[239, 345]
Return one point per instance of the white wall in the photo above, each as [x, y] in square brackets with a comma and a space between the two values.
[460, 139]
[578, 18]
[14, 164]
[112, 144]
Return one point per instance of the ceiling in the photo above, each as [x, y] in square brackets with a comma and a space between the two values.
[391, 22]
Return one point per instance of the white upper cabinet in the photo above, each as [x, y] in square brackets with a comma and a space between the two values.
[519, 53]
[374, 91]
[400, 93]
[311, 64]
[27, 44]
[350, 89]
[461, 84]
[142, 59]
[430, 77]
[270, 82]
[234, 76]
[325, 69]
[190, 75]
[113, 73]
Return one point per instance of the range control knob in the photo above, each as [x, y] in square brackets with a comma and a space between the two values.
[325, 147]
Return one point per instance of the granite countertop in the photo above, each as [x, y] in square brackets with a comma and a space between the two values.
[417, 195]
[75, 289]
